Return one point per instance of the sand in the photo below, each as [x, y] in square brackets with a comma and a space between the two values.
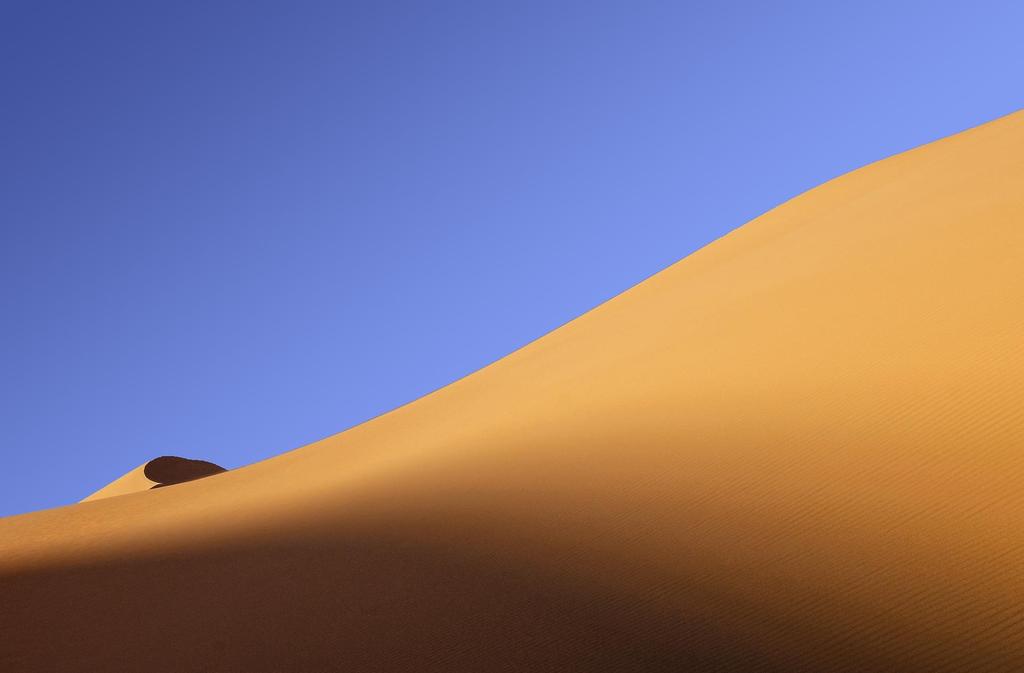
[799, 449]
[157, 473]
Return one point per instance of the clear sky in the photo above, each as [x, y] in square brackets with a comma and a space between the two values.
[228, 229]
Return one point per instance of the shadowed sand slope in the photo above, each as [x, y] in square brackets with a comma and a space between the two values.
[799, 449]
[157, 473]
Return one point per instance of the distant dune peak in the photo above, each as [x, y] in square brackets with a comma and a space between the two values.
[157, 473]
[168, 470]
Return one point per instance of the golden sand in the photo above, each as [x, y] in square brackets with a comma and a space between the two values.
[800, 448]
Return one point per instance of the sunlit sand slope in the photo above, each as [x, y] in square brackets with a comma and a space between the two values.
[800, 448]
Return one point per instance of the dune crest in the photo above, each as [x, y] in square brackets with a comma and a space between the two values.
[159, 472]
[798, 449]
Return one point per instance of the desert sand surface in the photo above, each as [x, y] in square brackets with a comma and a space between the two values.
[801, 448]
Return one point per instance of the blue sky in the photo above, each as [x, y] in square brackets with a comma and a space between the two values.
[230, 229]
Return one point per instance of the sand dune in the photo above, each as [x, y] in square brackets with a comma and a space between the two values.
[157, 473]
[799, 449]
